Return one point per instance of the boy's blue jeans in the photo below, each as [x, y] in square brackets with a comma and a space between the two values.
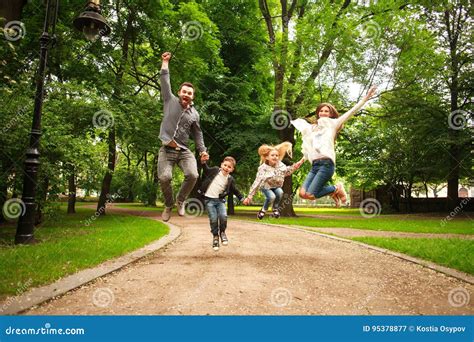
[316, 181]
[217, 213]
[272, 195]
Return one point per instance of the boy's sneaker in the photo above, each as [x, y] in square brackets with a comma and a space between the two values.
[276, 213]
[215, 243]
[261, 214]
[166, 214]
[224, 239]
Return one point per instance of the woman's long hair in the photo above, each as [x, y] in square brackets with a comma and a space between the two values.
[332, 110]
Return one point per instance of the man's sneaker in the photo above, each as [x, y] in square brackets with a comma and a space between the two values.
[166, 214]
[276, 213]
[215, 243]
[181, 208]
[261, 214]
[224, 239]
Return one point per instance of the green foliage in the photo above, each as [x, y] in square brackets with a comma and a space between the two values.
[223, 47]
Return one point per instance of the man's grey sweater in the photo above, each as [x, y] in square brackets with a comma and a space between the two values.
[178, 123]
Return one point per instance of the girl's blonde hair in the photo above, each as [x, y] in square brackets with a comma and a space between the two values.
[282, 149]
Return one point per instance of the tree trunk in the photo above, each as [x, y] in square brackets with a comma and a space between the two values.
[3, 197]
[15, 185]
[408, 197]
[154, 173]
[71, 202]
[451, 19]
[147, 173]
[11, 10]
[105, 190]
[43, 192]
[286, 207]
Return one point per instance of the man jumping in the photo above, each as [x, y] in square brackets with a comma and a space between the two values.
[180, 119]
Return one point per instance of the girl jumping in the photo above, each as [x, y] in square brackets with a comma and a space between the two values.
[270, 176]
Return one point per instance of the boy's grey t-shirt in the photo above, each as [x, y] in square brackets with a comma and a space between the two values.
[178, 124]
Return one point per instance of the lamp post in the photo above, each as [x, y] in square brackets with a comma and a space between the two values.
[90, 21]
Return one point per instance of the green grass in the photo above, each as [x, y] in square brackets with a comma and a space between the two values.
[69, 245]
[452, 253]
[137, 206]
[405, 223]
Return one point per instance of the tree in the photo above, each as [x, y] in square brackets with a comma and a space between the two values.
[452, 23]
[323, 34]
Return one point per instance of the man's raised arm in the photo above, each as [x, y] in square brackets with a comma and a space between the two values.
[165, 77]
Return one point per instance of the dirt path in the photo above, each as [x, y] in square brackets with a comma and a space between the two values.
[265, 270]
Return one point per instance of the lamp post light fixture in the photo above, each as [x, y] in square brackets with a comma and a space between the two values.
[92, 24]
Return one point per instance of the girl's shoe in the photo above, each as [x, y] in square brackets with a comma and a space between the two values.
[261, 214]
[276, 213]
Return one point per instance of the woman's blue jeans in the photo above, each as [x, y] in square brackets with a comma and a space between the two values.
[273, 195]
[317, 179]
[217, 213]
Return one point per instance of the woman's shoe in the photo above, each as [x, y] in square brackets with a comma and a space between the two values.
[303, 194]
[341, 193]
[261, 214]
[335, 198]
